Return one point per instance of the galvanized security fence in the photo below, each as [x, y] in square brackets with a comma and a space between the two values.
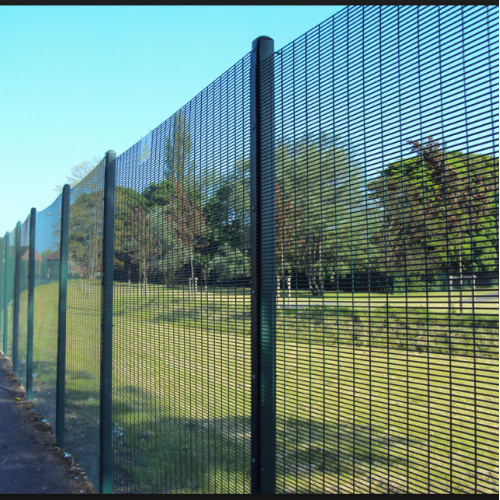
[291, 285]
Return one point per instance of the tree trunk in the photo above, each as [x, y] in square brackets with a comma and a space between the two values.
[282, 276]
[312, 284]
[316, 282]
[321, 278]
[461, 280]
[192, 287]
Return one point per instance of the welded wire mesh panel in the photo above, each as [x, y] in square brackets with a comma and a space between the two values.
[181, 336]
[46, 300]
[9, 290]
[23, 301]
[386, 195]
[83, 322]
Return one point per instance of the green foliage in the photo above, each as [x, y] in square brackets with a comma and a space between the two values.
[419, 221]
[157, 194]
[321, 186]
[126, 201]
[174, 254]
[439, 212]
[230, 263]
[85, 222]
[222, 218]
[178, 147]
[46, 253]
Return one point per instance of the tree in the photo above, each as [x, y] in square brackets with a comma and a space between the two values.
[223, 220]
[183, 209]
[85, 223]
[288, 236]
[230, 263]
[126, 201]
[145, 246]
[323, 214]
[46, 253]
[157, 194]
[462, 200]
[174, 254]
[79, 172]
[186, 219]
[178, 149]
[439, 212]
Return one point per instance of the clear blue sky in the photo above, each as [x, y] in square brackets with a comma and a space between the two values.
[78, 81]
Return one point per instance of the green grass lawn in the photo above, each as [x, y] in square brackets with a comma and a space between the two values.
[356, 411]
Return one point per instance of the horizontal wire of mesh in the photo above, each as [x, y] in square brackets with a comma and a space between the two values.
[386, 226]
[83, 322]
[23, 301]
[181, 335]
[46, 303]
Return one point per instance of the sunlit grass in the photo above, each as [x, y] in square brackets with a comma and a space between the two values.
[351, 417]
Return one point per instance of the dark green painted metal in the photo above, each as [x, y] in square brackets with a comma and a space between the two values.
[17, 286]
[5, 304]
[263, 467]
[106, 426]
[61, 330]
[31, 306]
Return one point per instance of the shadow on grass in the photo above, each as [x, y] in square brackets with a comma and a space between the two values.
[168, 445]
[82, 414]
[333, 457]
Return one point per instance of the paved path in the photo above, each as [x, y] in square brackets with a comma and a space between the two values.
[365, 302]
[483, 298]
[28, 466]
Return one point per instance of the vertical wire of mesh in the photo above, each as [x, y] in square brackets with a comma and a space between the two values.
[83, 322]
[181, 343]
[46, 302]
[387, 252]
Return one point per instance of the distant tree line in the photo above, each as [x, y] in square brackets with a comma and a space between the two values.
[338, 226]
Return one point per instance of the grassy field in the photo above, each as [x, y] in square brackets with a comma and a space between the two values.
[45, 350]
[369, 397]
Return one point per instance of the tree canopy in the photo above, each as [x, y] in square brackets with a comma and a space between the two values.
[424, 216]
[439, 211]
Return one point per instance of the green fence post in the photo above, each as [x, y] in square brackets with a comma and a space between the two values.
[61, 320]
[263, 413]
[106, 426]
[5, 304]
[17, 286]
[31, 306]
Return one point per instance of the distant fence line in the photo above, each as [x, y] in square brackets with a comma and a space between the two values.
[290, 285]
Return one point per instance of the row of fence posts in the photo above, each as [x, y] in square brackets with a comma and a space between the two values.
[262, 306]
[105, 466]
